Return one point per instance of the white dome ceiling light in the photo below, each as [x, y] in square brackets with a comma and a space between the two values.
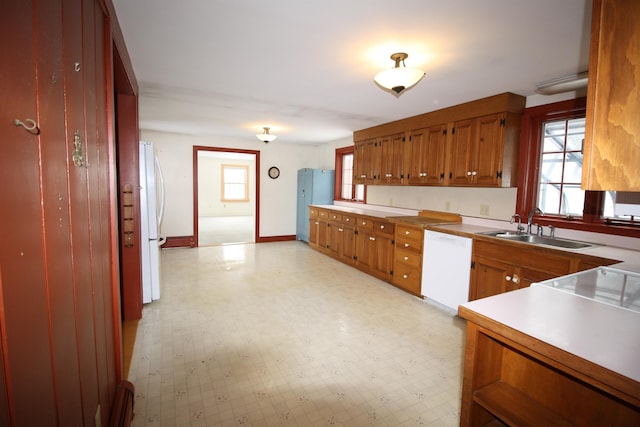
[398, 79]
[265, 136]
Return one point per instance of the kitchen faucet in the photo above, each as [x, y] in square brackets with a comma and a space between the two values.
[516, 216]
[534, 211]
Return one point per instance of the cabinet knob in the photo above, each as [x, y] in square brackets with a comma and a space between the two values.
[348, 219]
[406, 258]
[508, 278]
[317, 223]
[406, 245]
[474, 173]
[404, 276]
[515, 279]
[340, 230]
[372, 239]
[382, 227]
[407, 232]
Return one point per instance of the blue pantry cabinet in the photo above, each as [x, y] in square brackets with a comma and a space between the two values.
[315, 187]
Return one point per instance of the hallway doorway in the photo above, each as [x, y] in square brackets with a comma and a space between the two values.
[226, 189]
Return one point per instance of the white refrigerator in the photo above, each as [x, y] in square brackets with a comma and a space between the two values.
[151, 211]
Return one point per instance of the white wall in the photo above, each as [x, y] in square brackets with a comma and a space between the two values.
[277, 197]
[210, 187]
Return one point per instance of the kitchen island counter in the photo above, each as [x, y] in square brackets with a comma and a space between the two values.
[555, 352]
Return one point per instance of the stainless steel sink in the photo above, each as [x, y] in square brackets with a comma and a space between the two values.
[539, 240]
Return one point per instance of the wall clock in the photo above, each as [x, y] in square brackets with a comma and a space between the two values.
[274, 172]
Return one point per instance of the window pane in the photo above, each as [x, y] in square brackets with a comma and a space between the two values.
[347, 177]
[575, 135]
[234, 191]
[549, 198]
[235, 179]
[551, 168]
[573, 168]
[572, 200]
[561, 159]
[554, 134]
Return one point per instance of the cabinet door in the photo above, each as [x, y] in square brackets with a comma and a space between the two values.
[322, 233]
[391, 159]
[334, 238]
[612, 133]
[489, 277]
[313, 231]
[463, 134]
[365, 249]
[414, 156]
[488, 149]
[523, 277]
[372, 158]
[348, 247]
[433, 155]
[359, 159]
[383, 257]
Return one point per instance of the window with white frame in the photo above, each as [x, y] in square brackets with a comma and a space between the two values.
[235, 187]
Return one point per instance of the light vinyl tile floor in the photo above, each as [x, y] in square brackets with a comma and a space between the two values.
[277, 334]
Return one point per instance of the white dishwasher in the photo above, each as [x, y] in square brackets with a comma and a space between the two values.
[446, 267]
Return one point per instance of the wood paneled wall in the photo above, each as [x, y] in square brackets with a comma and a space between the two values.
[59, 298]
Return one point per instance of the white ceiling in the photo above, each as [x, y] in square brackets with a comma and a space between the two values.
[306, 67]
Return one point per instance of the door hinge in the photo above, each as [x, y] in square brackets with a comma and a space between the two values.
[453, 130]
[444, 131]
[355, 232]
[503, 121]
[403, 138]
[499, 174]
[442, 175]
[391, 272]
[473, 264]
[355, 257]
[450, 175]
[393, 242]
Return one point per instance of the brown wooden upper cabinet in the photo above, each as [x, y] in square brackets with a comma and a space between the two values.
[483, 151]
[426, 155]
[612, 134]
[391, 149]
[473, 144]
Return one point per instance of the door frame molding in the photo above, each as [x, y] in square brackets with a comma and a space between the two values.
[256, 153]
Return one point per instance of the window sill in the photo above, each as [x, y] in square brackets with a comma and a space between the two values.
[601, 227]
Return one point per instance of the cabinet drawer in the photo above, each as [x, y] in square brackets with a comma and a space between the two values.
[409, 258]
[348, 219]
[335, 217]
[409, 233]
[383, 227]
[407, 277]
[313, 212]
[364, 223]
[414, 246]
[323, 214]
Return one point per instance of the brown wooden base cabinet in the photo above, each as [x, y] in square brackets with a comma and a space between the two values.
[407, 261]
[499, 266]
[507, 383]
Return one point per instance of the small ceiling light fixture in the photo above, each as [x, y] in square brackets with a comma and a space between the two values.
[265, 136]
[398, 79]
[563, 84]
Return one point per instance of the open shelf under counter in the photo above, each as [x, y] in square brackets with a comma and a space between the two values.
[539, 356]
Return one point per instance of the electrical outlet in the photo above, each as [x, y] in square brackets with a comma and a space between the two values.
[98, 417]
[484, 210]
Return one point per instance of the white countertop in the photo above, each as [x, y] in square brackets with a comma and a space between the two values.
[602, 334]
